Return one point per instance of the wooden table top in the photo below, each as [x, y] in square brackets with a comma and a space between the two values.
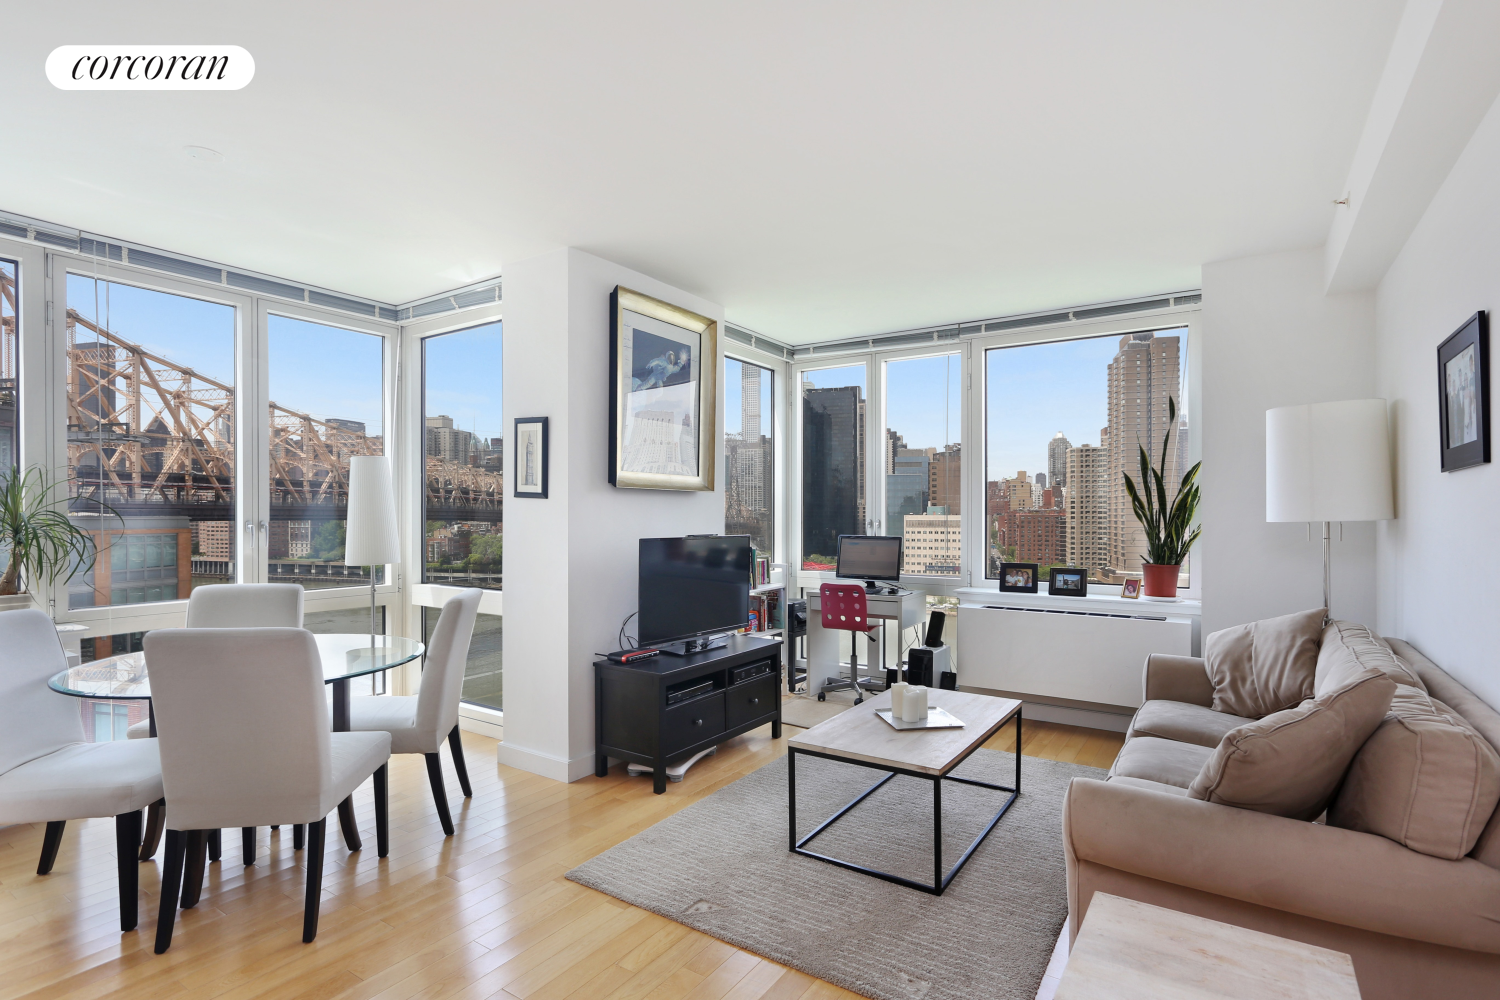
[1129, 950]
[859, 734]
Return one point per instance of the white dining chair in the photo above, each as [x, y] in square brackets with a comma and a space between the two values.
[246, 741]
[48, 774]
[420, 723]
[230, 605]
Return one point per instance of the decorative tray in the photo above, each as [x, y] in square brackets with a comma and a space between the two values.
[936, 719]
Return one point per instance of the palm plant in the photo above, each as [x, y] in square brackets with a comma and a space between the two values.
[1169, 526]
[42, 542]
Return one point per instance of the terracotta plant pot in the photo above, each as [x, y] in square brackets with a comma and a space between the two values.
[1160, 581]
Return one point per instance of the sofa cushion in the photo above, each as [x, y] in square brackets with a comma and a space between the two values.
[1176, 720]
[1475, 712]
[1265, 666]
[1164, 761]
[1348, 647]
[1290, 763]
[1425, 779]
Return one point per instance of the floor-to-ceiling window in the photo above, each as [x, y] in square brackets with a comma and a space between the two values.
[750, 482]
[326, 388]
[833, 461]
[150, 388]
[1064, 423]
[464, 487]
[922, 462]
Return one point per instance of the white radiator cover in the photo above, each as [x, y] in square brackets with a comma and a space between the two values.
[1095, 658]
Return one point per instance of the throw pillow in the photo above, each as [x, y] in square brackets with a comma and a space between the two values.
[1266, 666]
[1348, 646]
[1290, 763]
[1425, 779]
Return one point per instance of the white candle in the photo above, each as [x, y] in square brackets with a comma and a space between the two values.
[898, 699]
[914, 705]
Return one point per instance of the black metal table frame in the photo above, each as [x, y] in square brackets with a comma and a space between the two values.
[939, 882]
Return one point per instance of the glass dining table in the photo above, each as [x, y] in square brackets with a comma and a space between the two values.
[344, 656]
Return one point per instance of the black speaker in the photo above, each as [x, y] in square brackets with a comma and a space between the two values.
[935, 623]
[919, 666]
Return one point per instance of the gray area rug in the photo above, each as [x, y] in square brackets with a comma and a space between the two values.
[722, 867]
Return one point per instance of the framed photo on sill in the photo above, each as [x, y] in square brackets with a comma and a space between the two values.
[1018, 578]
[530, 474]
[663, 394]
[1464, 395]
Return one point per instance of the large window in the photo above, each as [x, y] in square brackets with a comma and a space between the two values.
[464, 465]
[921, 467]
[749, 454]
[150, 411]
[1063, 424]
[10, 381]
[327, 404]
[833, 462]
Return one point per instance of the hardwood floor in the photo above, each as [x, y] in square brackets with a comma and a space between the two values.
[484, 914]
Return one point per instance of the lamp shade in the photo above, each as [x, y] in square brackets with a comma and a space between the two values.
[1329, 462]
[370, 533]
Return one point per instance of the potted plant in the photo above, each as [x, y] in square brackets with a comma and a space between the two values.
[36, 535]
[1169, 526]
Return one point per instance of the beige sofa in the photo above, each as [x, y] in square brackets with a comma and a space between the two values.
[1416, 925]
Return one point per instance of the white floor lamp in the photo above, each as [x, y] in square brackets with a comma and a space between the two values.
[1328, 462]
[370, 532]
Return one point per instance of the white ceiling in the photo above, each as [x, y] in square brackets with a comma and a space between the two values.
[820, 169]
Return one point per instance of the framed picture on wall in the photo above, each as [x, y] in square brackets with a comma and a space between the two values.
[663, 394]
[530, 475]
[1464, 395]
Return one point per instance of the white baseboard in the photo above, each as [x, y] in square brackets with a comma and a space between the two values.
[546, 765]
[1084, 717]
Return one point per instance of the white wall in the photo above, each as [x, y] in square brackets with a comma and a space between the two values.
[1439, 579]
[1272, 338]
[570, 560]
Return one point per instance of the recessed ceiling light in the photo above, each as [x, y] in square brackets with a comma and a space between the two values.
[204, 154]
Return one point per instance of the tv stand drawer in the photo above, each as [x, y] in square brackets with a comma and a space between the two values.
[698, 720]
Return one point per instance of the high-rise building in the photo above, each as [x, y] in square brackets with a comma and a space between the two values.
[1143, 376]
[1057, 460]
[945, 479]
[833, 457]
[1087, 508]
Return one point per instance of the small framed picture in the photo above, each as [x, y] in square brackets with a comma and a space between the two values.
[1018, 578]
[1464, 395]
[1131, 589]
[530, 475]
[1068, 582]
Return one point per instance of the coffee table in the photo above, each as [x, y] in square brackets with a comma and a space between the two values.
[859, 736]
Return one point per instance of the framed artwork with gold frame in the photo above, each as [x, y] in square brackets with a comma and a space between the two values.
[663, 394]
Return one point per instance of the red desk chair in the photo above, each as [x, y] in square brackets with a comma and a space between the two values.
[844, 608]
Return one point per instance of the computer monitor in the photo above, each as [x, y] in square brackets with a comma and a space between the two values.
[693, 589]
[869, 558]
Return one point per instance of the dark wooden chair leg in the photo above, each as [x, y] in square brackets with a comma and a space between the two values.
[299, 836]
[247, 845]
[196, 860]
[171, 883]
[215, 845]
[127, 844]
[439, 793]
[156, 816]
[349, 825]
[51, 841]
[456, 745]
[382, 811]
[315, 837]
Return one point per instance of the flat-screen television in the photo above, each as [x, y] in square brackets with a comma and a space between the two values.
[692, 587]
[869, 557]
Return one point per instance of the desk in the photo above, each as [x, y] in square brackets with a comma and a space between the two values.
[905, 607]
[343, 656]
